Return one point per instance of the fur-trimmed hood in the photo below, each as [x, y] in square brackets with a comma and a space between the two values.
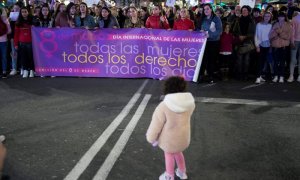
[179, 102]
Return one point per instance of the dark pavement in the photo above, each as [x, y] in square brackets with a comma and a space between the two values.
[50, 123]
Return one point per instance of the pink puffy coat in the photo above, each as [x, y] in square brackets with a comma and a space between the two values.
[170, 124]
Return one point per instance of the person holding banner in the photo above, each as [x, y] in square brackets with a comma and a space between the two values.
[157, 20]
[66, 19]
[144, 14]
[133, 21]
[23, 41]
[84, 19]
[212, 25]
[107, 20]
[44, 19]
[184, 23]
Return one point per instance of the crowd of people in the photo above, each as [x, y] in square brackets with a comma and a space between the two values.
[241, 41]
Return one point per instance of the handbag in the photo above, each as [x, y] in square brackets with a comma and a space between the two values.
[246, 47]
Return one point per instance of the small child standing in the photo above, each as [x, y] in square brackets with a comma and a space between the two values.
[226, 44]
[170, 126]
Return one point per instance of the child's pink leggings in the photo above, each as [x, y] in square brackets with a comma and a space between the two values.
[170, 162]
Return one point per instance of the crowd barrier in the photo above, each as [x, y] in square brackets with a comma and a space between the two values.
[120, 53]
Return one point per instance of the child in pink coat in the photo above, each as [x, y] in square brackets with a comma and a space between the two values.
[170, 126]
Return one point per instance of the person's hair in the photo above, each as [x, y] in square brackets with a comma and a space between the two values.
[283, 8]
[58, 9]
[68, 8]
[226, 24]
[41, 14]
[108, 10]
[268, 7]
[248, 8]
[21, 20]
[282, 14]
[256, 10]
[175, 84]
[267, 12]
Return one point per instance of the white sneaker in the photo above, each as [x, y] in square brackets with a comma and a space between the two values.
[25, 74]
[181, 175]
[21, 72]
[166, 176]
[281, 79]
[31, 74]
[275, 79]
[257, 81]
[13, 72]
[2, 138]
[262, 79]
[298, 79]
[290, 79]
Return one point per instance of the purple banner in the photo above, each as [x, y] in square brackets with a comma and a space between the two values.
[122, 53]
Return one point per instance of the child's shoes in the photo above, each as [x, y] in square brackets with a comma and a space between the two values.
[181, 175]
[166, 176]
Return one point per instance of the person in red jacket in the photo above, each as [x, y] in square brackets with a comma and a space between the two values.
[184, 23]
[156, 20]
[226, 42]
[23, 41]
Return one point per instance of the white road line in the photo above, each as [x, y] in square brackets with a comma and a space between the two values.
[122, 141]
[86, 159]
[252, 86]
[246, 102]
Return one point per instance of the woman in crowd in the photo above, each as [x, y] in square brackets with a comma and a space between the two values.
[144, 14]
[84, 19]
[256, 15]
[45, 18]
[107, 20]
[97, 15]
[61, 7]
[226, 44]
[244, 29]
[274, 12]
[157, 20]
[4, 30]
[14, 65]
[184, 23]
[262, 43]
[66, 19]
[212, 25]
[133, 21]
[280, 40]
[170, 16]
[23, 41]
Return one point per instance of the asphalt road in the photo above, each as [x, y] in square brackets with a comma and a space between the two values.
[85, 128]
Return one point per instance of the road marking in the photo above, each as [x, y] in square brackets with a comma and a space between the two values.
[209, 85]
[122, 141]
[252, 86]
[86, 159]
[247, 102]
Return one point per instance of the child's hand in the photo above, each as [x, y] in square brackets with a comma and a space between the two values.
[155, 143]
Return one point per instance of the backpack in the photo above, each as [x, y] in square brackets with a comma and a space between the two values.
[3, 27]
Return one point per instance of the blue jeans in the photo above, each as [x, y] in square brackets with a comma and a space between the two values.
[13, 59]
[3, 52]
[294, 58]
[279, 60]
